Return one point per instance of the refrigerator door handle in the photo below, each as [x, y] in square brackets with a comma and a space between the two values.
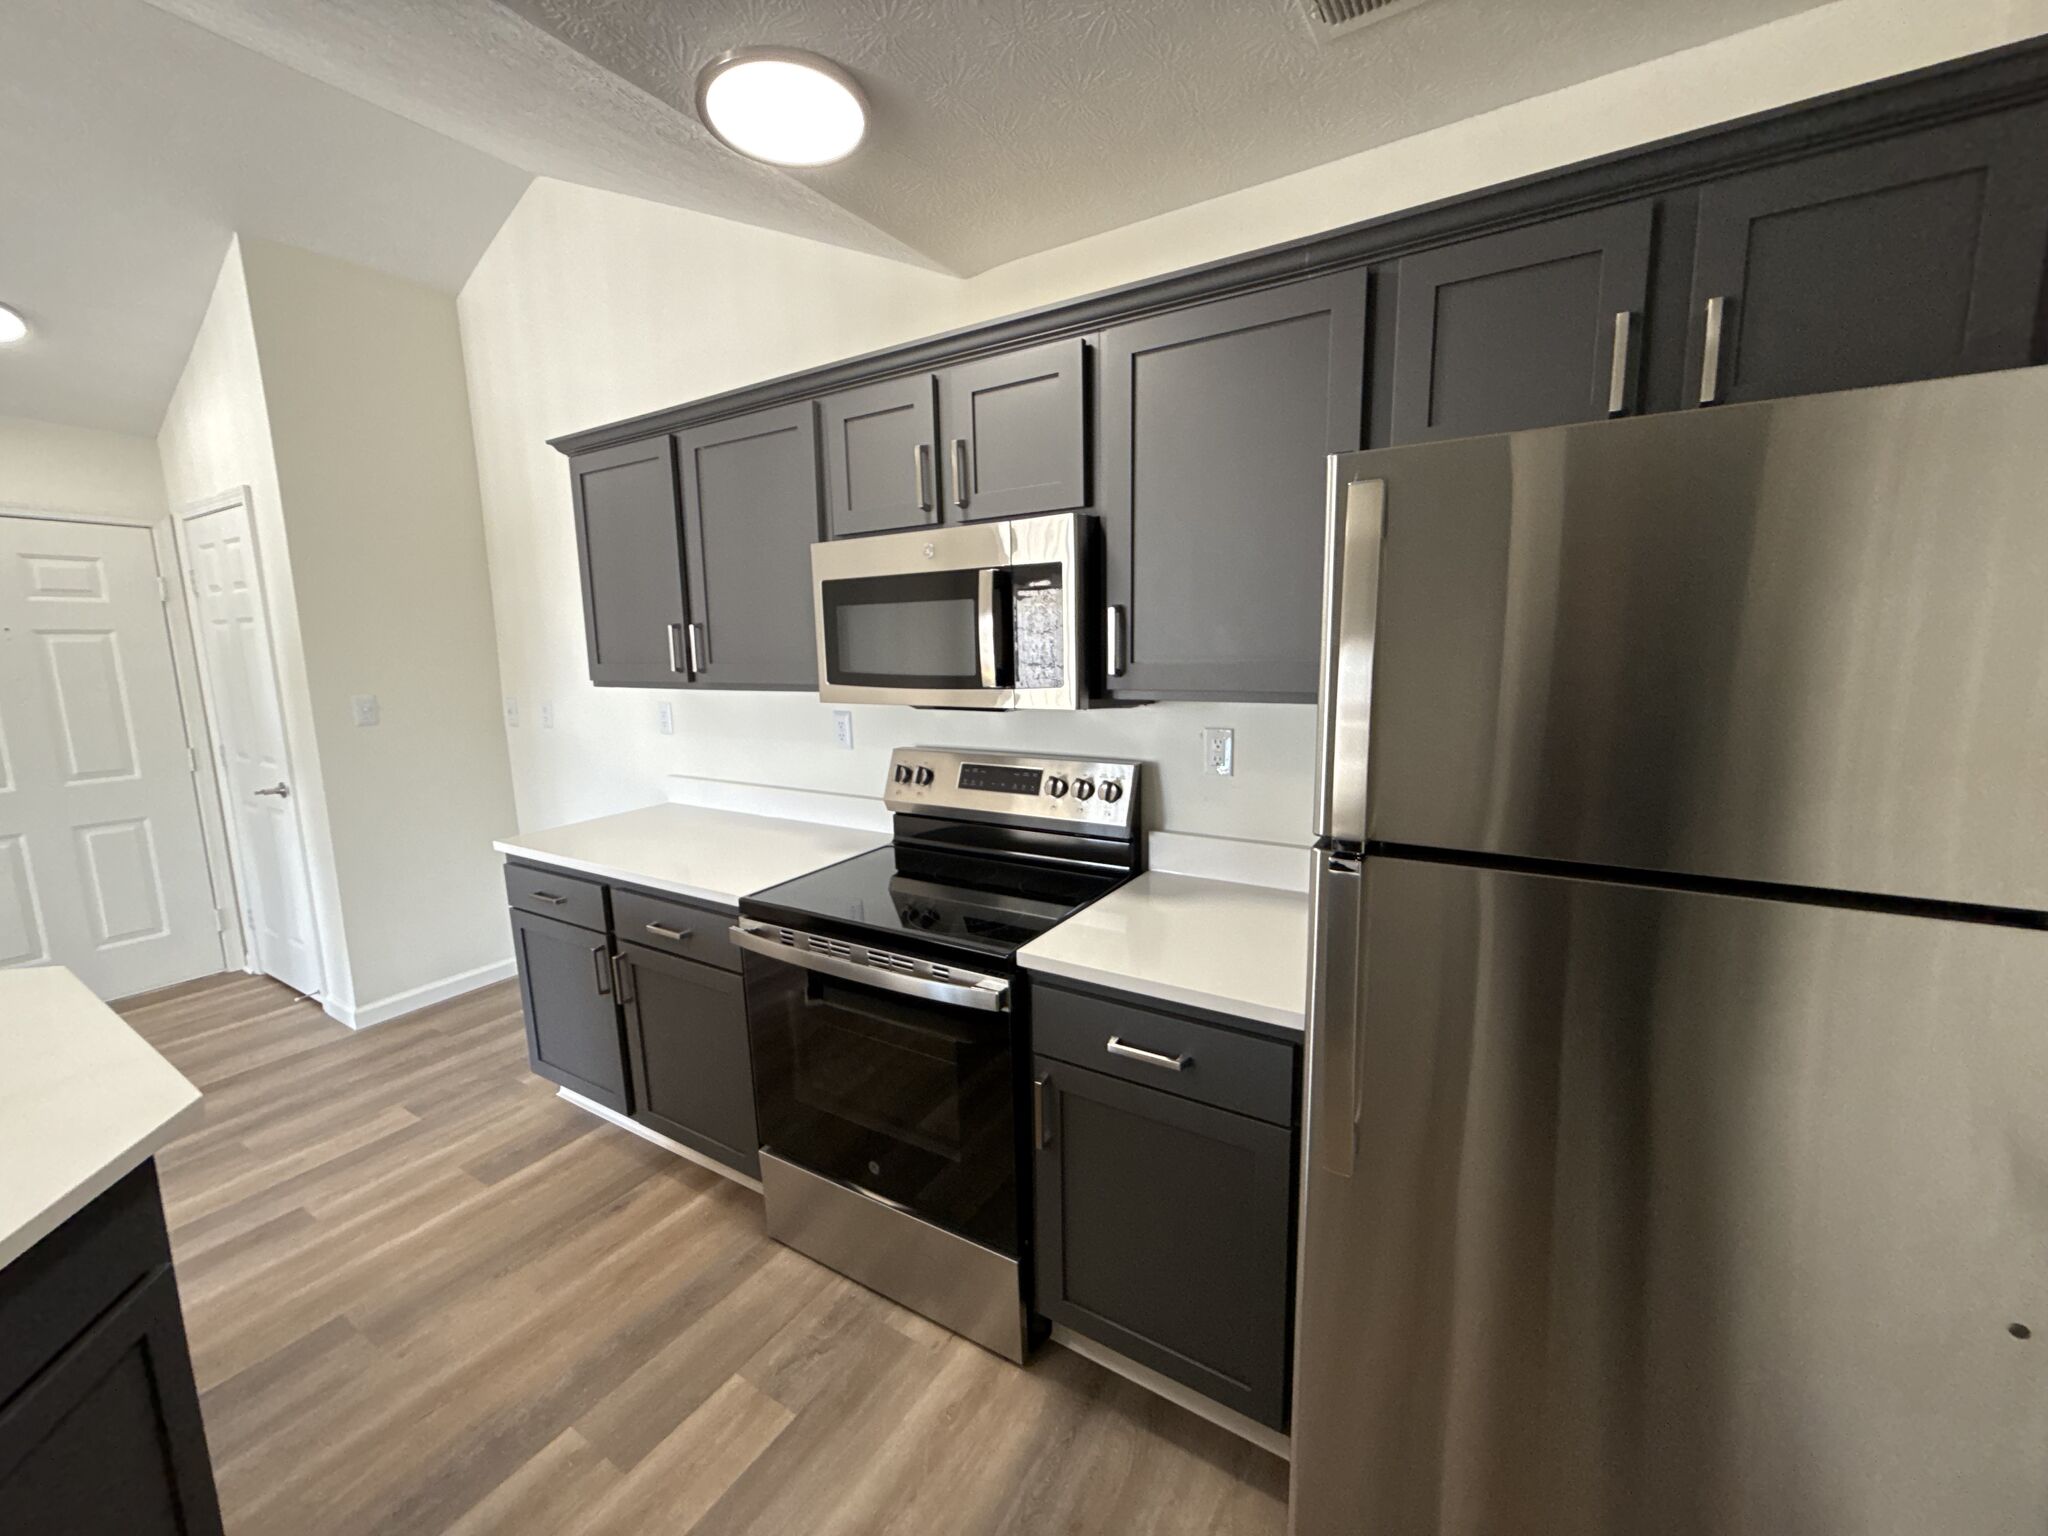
[1333, 1009]
[1353, 541]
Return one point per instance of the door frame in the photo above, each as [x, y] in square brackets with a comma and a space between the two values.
[185, 668]
[244, 928]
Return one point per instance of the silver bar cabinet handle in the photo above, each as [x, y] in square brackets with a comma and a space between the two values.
[692, 632]
[622, 977]
[959, 471]
[673, 935]
[550, 898]
[1710, 353]
[603, 962]
[1113, 639]
[1117, 1047]
[1617, 368]
[1038, 1112]
[675, 647]
[921, 460]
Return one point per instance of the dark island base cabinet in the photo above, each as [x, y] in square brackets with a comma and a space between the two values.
[1163, 1222]
[573, 1033]
[686, 1038]
[105, 1438]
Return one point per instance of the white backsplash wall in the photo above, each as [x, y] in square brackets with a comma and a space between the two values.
[591, 306]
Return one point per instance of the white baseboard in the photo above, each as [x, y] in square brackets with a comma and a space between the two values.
[627, 1123]
[1187, 1397]
[413, 999]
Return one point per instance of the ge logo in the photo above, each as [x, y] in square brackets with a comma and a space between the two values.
[929, 552]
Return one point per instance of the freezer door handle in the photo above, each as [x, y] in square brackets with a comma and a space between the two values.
[1353, 542]
[1333, 1098]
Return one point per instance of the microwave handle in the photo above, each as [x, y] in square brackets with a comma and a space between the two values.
[985, 625]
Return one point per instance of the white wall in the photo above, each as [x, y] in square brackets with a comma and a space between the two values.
[216, 437]
[590, 306]
[369, 422]
[55, 468]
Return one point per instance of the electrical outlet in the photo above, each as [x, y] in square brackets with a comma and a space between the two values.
[364, 708]
[842, 728]
[1217, 749]
[665, 718]
[547, 714]
[511, 710]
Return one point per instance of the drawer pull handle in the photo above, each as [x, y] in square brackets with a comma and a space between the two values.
[551, 898]
[1150, 1058]
[673, 935]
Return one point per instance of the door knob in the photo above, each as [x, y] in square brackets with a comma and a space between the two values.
[280, 790]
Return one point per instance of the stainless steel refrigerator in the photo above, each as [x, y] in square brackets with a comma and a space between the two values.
[1676, 1157]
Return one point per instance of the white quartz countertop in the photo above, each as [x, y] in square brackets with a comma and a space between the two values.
[1204, 943]
[688, 850]
[83, 1101]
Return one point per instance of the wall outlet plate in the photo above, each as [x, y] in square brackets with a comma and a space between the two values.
[842, 728]
[1218, 749]
[665, 718]
[364, 709]
[511, 710]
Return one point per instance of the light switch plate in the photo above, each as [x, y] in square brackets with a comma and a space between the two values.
[1218, 749]
[511, 710]
[665, 718]
[842, 728]
[547, 714]
[365, 709]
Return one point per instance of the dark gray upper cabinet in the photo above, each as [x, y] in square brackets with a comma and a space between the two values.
[1162, 1230]
[1532, 327]
[1014, 432]
[573, 1035]
[881, 468]
[751, 513]
[629, 544]
[1909, 258]
[1215, 424]
[686, 1034]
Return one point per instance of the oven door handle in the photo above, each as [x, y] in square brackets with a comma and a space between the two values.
[962, 989]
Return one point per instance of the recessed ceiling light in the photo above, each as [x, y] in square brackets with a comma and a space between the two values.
[782, 105]
[12, 326]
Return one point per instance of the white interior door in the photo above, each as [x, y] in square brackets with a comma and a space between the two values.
[244, 708]
[102, 854]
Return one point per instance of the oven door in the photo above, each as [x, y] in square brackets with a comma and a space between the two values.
[978, 617]
[887, 1081]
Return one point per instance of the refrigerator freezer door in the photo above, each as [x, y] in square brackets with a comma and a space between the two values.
[1801, 642]
[1695, 1214]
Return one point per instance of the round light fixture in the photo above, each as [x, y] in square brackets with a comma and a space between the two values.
[782, 105]
[12, 327]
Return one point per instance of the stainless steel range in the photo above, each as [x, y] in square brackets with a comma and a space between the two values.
[887, 1015]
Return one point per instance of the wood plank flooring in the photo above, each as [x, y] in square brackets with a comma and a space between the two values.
[427, 1296]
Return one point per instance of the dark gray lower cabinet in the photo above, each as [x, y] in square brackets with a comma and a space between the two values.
[573, 1036]
[1163, 1231]
[104, 1438]
[686, 1035]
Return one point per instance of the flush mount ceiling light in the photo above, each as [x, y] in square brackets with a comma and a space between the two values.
[12, 327]
[782, 105]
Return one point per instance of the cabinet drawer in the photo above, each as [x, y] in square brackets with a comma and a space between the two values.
[1217, 1066]
[687, 928]
[550, 893]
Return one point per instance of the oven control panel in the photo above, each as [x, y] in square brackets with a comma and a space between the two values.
[1081, 792]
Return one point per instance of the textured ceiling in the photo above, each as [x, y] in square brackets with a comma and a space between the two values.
[1001, 127]
[135, 145]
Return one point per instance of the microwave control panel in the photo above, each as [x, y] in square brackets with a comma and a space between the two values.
[1073, 791]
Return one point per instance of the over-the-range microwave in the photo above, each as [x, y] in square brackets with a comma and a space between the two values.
[982, 616]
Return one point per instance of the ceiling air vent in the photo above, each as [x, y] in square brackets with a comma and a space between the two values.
[1329, 19]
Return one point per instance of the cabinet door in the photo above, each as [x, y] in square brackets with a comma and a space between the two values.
[1215, 424]
[1532, 327]
[1163, 1231]
[1911, 258]
[750, 505]
[572, 1020]
[1014, 435]
[629, 542]
[107, 1441]
[879, 466]
[686, 1031]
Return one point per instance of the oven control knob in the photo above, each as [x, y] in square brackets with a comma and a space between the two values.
[1112, 791]
[924, 774]
[903, 773]
[1056, 787]
[1084, 789]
